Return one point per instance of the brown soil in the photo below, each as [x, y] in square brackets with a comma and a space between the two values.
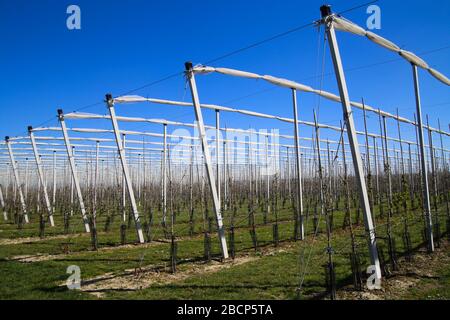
[4, 242]
[38, 257]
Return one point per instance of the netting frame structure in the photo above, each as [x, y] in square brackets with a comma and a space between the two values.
[332, 22]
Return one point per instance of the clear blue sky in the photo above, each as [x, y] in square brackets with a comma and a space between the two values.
[125, 44]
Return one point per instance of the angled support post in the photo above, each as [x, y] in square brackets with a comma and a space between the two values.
[423, 162]
[41, 176]
[327, 19]
[17, 179]
[73, 168]
[2, 203]
[126, 172]
[207, 156]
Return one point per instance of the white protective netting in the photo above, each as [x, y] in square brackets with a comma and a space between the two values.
[345, 25]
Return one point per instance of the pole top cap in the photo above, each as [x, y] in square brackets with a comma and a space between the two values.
[108, 96]
[30, 128]
[188, 65]
[325, 10]
[60, 112]
[7, 138]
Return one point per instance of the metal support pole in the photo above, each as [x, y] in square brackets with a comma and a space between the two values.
[387, 166]
[423, 162]
[2, 203]
[352, 138]
[288, 164]
[94, 209]
[377, 167]
[267, 175]
[299, 194]
[207, 157]
[191, 184]
[164, 176]
[74, 170]
[225, 175]
[433, 163]
[124, 186]
[218, 155]
[411, 179]
[123, 160]
[369, 169]
[401, 146]
[54, 183]
[324, 210]
[26, 181]
[443, 166]
[41, 176]
[17, 179]
[72, 186]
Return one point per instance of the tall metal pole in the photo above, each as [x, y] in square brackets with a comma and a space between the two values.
[377, 167]
[41, 176]
[72, 185]
[434, 181]
[423, 162]
[54, 183]
[299, 194]
[123, 160]
[433, 162]
[324, 211]
[17, 179]
[267, 176]
[442, 147]
[352, 138]
[26, 181]
[74, 170]
[401, 145]
[218, 154]
[387, 166]
[2, 203]
[369, 171]
[164, 176]
[411, 180]
[124, 186]
[94, 209]
[207, 157]
[288, 169]
[225, 175]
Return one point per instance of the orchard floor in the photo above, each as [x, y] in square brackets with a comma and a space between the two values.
[35, 268]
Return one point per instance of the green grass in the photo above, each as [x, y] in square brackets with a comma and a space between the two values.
[275, 276]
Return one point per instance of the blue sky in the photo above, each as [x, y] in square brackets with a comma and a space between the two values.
[126, 44]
